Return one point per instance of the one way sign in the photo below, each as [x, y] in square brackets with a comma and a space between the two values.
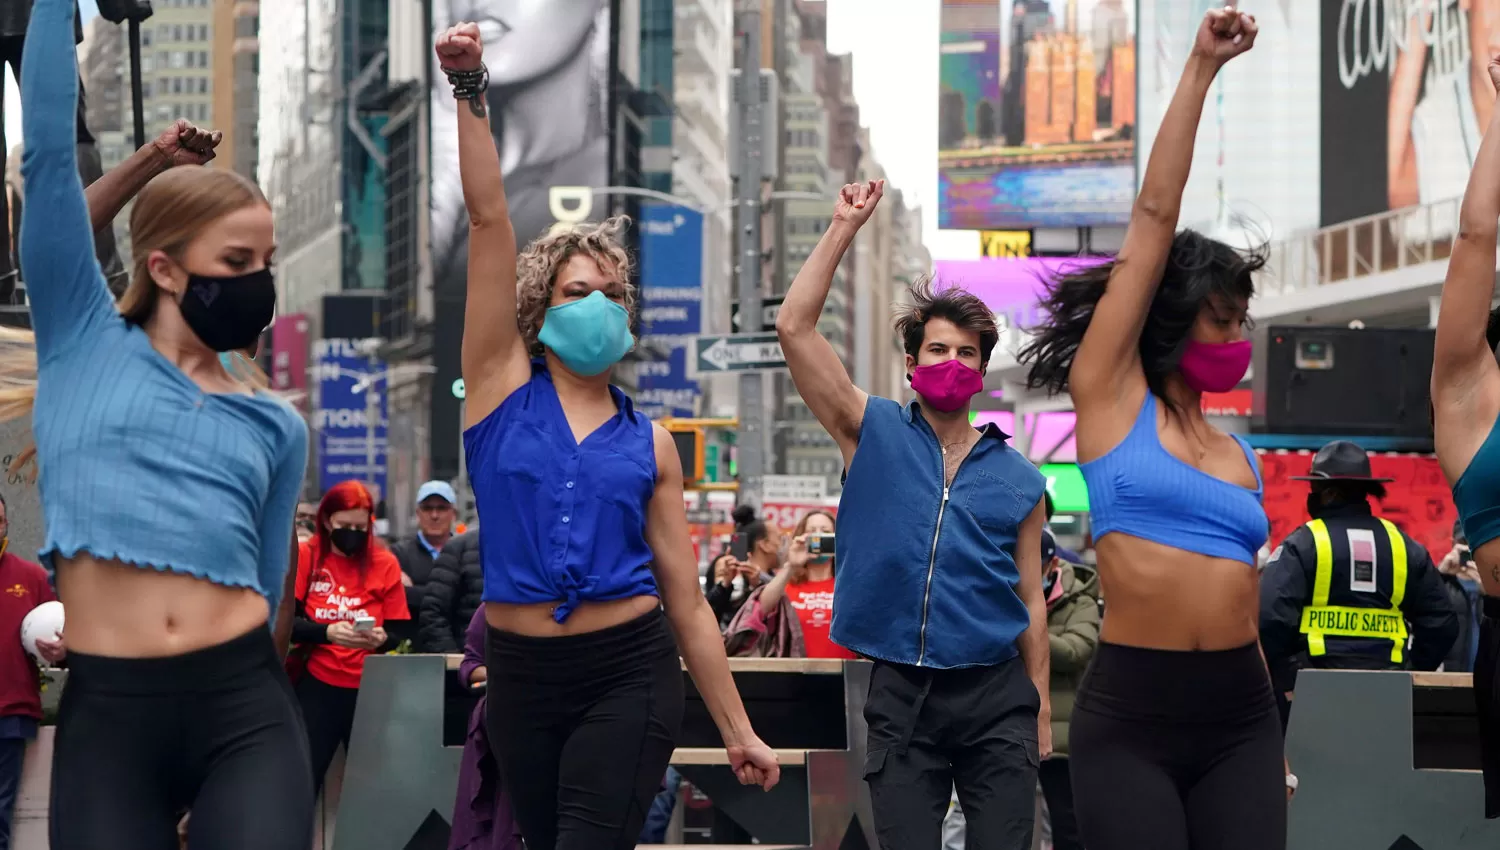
[738, 353]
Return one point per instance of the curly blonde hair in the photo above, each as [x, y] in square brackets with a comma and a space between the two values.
[538, 265]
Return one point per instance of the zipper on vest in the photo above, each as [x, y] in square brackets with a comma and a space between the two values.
[931, 564]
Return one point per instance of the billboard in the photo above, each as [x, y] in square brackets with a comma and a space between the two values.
[1012, 289]
[549, 102]
[671, 276]
[1406, 97]
[288, 369]
[349, 438]
[1254, 174]
[1036, 113]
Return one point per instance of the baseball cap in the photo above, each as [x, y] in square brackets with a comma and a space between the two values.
[441, 489]
[1049, 547]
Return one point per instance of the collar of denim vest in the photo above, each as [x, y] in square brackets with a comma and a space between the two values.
[913, 409]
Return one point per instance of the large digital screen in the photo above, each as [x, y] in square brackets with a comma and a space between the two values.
[1012, 289]
[1036, 113]
[1406, 96]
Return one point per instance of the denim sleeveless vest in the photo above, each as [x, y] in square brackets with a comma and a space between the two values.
[926, 572]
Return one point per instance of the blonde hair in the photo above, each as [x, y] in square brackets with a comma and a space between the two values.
[169, 213]
[538, 265]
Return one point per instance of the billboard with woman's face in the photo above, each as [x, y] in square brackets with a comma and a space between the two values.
[549, 65]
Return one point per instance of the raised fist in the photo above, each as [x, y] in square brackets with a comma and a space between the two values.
[1225, 34]
[459, 47]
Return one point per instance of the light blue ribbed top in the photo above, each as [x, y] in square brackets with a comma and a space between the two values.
[138, 464]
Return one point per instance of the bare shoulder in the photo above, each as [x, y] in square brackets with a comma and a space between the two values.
[668, 464]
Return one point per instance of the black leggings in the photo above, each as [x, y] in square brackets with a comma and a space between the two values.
[328, 711]
[1177, 750]
[140, 741]
[583, 727]
[1487, 702]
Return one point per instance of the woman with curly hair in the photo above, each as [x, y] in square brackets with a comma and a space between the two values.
[586, 538]
[1175, 738]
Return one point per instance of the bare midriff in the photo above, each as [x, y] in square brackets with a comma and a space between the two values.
[122, 610]
[1159, 597]
[536, 619]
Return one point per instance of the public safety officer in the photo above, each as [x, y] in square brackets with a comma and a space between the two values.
[1350, 590]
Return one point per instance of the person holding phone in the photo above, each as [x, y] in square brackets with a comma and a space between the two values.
[1461, 581]
[348, 588]
[802, 590]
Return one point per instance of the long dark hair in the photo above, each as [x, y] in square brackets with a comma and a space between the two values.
[1199, 270]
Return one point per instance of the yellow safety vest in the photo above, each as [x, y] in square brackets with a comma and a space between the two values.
[1321, 619]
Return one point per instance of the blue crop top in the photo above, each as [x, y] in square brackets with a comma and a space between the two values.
[137, 463]
[563, 521]
[1142, 490]
[1476, 494]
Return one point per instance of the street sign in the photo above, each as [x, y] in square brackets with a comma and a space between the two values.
[794, 488]
[769, 307]
[738, 353]
[706, 516]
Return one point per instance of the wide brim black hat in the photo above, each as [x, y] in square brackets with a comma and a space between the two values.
[1341, 460]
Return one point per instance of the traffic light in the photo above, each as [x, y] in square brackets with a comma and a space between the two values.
[700, 449]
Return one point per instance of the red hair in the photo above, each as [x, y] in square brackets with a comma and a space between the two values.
[344, 496]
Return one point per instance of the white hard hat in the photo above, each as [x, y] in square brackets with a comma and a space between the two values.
[45, 621]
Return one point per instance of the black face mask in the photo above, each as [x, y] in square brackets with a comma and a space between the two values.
[350, 541]
[229, 313]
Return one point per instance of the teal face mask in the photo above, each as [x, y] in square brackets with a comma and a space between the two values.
[588, 335]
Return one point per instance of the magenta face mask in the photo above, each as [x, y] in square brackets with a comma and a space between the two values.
[1215, 367]
[947, 386]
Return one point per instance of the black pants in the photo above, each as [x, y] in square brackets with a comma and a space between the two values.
[931, 731]
[1057, 789]
[328, 711]
[12, 755]
[89, 169]
[583, 727]
[1487, 702]
[140, 741]
[1178, 750]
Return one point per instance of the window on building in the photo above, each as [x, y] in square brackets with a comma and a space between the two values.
[146, 89]
[146, 38]
[203, 59]
[178, 59]
[176, 85]
[177, 32]
[203, 32]
[203, 85]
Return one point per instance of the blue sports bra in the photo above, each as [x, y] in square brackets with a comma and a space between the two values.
[1476, 494]
[1140, 489]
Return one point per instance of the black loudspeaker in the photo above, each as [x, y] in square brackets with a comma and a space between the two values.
[1338, 381]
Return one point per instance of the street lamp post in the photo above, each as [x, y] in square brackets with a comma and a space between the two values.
[366, 386]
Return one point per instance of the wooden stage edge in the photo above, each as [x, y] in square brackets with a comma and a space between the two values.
[811, 666]
[1442, 680]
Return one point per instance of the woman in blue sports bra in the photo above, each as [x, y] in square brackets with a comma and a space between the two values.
[1175, 741]
[585, 536]
[1465, 410]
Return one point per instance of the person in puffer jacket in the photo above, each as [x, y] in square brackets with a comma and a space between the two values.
[1072, 594]
[455, 590]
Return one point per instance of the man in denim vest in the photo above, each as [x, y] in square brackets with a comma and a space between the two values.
[939, 580]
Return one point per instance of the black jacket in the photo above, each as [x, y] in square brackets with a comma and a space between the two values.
[1287, 584]
[455, 590]
[417, 563]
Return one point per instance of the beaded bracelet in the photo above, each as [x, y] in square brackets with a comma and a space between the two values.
[469, 85]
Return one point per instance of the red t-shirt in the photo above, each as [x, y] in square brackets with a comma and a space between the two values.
[341, 590]
[23, 586]
[813, 602]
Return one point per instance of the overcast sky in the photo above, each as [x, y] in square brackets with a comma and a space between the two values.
[895, 47]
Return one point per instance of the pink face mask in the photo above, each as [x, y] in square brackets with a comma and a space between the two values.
[947, 386]
[1215, 367]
